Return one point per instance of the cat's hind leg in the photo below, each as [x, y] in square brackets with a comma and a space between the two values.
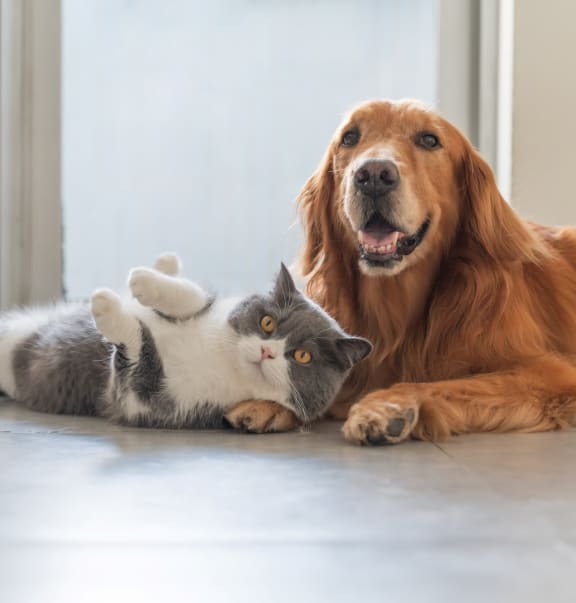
[119, 326]
[170, 296]
[129, 376]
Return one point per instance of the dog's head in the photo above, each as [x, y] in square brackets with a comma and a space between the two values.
[398, 184]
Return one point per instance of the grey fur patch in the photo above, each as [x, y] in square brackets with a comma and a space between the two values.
[207, 415]
[303, 325]
[146, 379]
[64, 367]
[204, 310]
[121, 361]
[207, 307]
[148, 374]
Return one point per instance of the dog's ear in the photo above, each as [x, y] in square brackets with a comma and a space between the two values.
[488, 220]
[314, 202]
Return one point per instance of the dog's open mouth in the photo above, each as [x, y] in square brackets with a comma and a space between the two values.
[381, 242]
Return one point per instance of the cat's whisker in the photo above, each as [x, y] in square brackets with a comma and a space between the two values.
[298, 401]
[302, 407]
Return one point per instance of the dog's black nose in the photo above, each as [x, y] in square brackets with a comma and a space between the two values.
[377, 177]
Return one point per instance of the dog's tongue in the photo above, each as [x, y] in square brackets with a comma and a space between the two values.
[378, 237]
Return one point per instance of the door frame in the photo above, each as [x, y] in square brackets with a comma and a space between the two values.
[30, 152]
[476, 47]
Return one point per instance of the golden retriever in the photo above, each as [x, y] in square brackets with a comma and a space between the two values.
[472, 310]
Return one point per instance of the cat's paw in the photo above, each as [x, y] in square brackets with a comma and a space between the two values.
[143, 284]
[105, 307]
[104, 303]
[261, 416]
[168, 263]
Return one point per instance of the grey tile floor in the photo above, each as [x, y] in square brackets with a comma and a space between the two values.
[92, 512]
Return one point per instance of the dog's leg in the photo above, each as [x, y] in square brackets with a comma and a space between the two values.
[261, 416]
[540, 396]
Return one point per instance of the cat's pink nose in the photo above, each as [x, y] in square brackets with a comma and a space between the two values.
[266, 352]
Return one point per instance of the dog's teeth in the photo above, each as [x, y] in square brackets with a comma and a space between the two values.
[383, 249]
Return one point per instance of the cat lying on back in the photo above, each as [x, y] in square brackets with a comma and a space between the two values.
[174, 356]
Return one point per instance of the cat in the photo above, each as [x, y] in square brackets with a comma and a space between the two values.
[175, 356]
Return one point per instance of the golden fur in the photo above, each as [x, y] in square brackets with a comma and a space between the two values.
[473, 331]
[477, 330]
[261, 416]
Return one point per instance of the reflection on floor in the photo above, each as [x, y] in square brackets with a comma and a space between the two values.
[94, 512]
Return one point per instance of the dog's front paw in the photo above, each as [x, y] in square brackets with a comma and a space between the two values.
[261, 416]
[144, 286]
[378, 419]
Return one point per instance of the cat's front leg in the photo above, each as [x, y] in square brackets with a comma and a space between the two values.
[168, 263]
[261, 416]
[170, 296]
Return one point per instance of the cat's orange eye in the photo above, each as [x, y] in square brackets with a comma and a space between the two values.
[267, 323]
[302, 356]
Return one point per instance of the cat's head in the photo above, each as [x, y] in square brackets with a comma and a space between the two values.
[292, 345]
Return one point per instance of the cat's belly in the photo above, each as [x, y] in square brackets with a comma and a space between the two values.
[224, 385]
[201, 365]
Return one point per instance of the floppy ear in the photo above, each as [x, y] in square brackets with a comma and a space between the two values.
[488, 220]
[314, 203]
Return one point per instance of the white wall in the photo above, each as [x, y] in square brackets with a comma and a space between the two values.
[193, 125]
[544, 111]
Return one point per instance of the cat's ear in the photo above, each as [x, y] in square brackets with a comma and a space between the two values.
[353, 349]
[284, 285]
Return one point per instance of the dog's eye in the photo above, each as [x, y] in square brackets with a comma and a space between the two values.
[426, 140]
[350, 138]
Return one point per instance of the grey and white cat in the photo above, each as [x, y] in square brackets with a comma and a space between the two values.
[174, 356]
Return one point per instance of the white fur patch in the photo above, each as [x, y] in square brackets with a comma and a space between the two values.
[132, 407]
[15, 328]
[272, 372]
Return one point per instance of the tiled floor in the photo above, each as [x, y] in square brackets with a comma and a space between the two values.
[93, 512]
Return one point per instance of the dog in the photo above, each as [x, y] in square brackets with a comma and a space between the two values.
[471, 310]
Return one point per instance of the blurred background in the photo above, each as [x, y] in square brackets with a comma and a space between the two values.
[191, 126]
[131, 127]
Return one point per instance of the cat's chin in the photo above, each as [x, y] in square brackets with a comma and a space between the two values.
[263, 379]
[257, 369]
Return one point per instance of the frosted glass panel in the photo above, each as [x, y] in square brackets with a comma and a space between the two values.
[191, 126]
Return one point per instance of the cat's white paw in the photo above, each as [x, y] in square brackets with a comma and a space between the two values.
[117, 326]
[143, 284]
[104, 302]
[168, 263]
[106, 306]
